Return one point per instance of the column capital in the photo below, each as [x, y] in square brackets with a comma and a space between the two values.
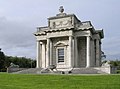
[48, 39]
[89, 36]
[71, 36]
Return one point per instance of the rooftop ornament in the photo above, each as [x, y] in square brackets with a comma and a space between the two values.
[61, 9]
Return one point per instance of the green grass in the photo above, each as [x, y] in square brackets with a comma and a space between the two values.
[20, 81]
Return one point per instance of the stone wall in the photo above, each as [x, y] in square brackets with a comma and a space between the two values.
[10, 70]
[106, 69]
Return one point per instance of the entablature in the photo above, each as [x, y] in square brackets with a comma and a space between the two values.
[82, 33]
[45, 31]
[62, 24]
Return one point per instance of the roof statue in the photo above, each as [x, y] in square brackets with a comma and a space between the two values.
[61, 9]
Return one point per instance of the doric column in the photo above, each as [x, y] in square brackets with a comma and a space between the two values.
[48, 53]
[38, 54]
[51, 53]
[73, 52]
[88, 52]
[43, 55]
[97, 53]
[76, 51]
[70, 51]
[100, 59]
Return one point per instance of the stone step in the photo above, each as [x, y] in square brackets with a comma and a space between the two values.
[86, 71]
[30, 71]
[66, 71]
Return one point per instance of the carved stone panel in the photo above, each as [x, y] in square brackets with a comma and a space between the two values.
[63, 22]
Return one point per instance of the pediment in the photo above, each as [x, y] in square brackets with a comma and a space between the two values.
[60, 44]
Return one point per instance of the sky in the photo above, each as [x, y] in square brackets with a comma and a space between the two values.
[19, 19]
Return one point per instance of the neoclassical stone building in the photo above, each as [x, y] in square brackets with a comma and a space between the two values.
[68, 43]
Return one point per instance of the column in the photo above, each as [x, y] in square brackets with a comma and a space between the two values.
[97, 52]
[48, 53]
[100, 59]
[88, 52]
[43, 55]
[70, 51]
[73, 52]
[38, 54]
[76, 51]
[51, 53]
[92, 52]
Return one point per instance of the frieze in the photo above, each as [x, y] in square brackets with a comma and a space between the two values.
[58, 24]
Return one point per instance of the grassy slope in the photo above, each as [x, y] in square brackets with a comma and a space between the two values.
[17, 81]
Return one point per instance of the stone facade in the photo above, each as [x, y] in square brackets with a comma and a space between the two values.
[68, 43]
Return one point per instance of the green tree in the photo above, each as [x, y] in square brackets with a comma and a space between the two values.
[2, 60]
[23, 62]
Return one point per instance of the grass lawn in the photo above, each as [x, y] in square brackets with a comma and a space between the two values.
[23, 81]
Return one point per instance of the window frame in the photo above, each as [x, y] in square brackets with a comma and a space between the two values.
[57, 55]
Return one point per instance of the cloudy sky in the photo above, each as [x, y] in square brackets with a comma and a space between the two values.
[19, 19]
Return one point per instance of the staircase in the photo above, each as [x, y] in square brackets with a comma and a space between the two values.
[29, 71]
[86, 71]
[91, 70]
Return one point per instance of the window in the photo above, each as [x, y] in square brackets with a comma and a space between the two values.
[60, 55]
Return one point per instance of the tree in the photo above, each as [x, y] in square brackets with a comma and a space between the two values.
[23, 62]
[2, 60]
